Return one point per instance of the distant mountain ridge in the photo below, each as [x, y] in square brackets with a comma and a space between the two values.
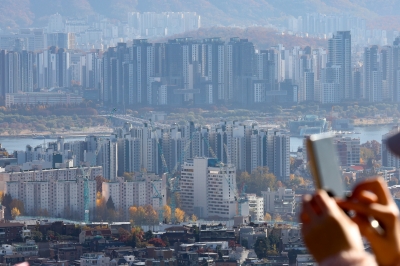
[24, 13]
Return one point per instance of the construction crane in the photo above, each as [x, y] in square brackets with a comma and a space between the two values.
[112, 113]
[209, 147]
[164, 163]
[86, 173]
[159, 197]
[240, 199]
[172, 182]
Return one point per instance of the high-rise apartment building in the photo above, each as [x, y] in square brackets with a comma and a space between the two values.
[54, 192]
[348, 150]
[372, 75]
[340, 55]
[143, 190]
[208, 188]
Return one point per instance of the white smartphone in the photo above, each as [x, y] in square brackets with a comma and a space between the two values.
[324, 164]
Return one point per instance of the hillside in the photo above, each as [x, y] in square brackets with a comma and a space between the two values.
[214, 12]
[263, 38]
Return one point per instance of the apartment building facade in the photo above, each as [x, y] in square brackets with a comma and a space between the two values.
[208, 188]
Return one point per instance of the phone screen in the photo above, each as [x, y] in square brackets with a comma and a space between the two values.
[324, 164]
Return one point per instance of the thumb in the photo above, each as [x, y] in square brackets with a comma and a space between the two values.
[365, 227]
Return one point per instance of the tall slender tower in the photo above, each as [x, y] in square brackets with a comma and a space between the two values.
[340, 55]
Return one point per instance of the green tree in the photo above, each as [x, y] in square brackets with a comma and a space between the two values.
[6, 202]
[37, 235]
[245, 243]
[166, 240]
[148, 235]
[110, 204]
[261, 247]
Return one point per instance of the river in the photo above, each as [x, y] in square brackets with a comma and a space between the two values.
[18, 144]
[365, 134]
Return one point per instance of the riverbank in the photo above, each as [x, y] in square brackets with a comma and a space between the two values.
[365, 122]
[97, 131]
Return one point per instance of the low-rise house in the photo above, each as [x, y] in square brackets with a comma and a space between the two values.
[94, 259]
[65, 251]
[214, 233]
[248, 235]
[27, 249]
[90, 234]
[181, 234]
[123, 261]
[10, 232]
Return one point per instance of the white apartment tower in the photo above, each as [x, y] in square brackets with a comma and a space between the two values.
[208, 188]
[256, 207]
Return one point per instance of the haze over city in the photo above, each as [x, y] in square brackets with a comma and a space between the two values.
[168, 132]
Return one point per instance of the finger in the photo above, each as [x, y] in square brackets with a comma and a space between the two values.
[375, 210]
[309, 210]
[376, 186]
[365, 197]
[305, 218]
[322, 200]
[365, 227]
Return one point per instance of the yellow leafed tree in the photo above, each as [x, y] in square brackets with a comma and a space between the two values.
[179, 215]
[15, 212]
[167, 213]
[151, 215]
[194, 218]
[16, 203]
[267, 217]
[138, 215]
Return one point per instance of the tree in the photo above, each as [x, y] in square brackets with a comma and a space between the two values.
[167, 213]
[259, 180]
[50, 234]
[137, 215]
[245, 243]
[151, 215]
[166, 240]
[128, 176]
[193, 218]
[110, 204]
[37, 235]
[261, 247]
[148, 235]
[16, 203]
[15, 212]
[7, 199]
[179, 215]
[278, 218]
[366, 154]
[267, 217]
[99, 183]
[101, 207]
[157, 242]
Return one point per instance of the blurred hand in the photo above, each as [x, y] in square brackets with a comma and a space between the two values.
[372, 199]
[326, 229]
